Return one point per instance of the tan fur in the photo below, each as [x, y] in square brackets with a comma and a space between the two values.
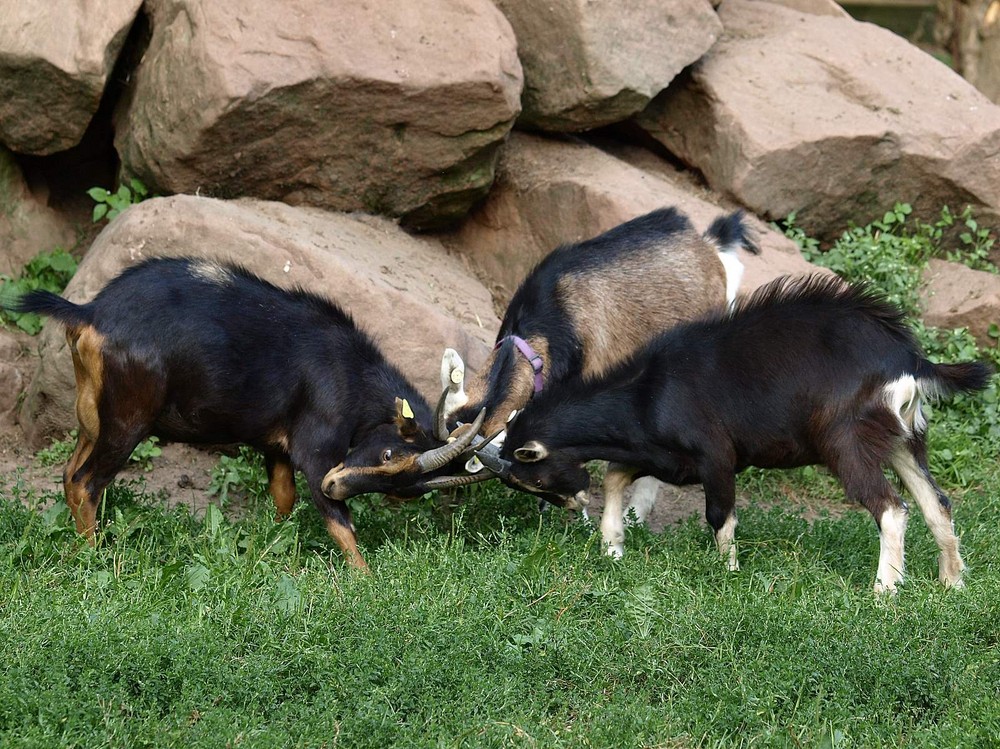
[347, 542]
[88, 368]
[612, 327]
[279, 439]
[282, 487]
[616, 481]
[522, 386]
[83, 510]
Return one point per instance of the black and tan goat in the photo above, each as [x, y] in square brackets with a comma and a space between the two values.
[585, 307]
[812, 371]
[198, 352]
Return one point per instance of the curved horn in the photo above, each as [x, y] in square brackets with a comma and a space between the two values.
[481, 443]
[447, 482]
[494, 463]
[441, 417]
[441, 456]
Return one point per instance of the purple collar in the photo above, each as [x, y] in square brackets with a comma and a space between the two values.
[529, 353]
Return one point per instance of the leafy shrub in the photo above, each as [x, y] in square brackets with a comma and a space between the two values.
[244, 471]
[110, 204]
[50, 271]
[890, 255]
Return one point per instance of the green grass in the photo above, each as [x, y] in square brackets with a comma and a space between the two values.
[485, 624]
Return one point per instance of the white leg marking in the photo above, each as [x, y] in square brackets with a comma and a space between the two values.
[644, 494]
[734, 274]
[616, 481]
[950, 564]
[892, 531]
[725, 539]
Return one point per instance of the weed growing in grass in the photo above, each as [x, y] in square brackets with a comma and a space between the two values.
[243, 471]
[58, 452]
[50, 271]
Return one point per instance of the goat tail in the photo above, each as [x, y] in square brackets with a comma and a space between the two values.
[54, 306]
[730, 233]
[964, 377]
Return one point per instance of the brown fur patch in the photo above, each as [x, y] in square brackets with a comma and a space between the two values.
[282, 487]
[347, 542]
[86, 345]
[521, 389]
[81, 505]
[279, 438]
[612, 326]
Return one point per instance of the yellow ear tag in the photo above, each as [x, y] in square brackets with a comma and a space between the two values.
[407, 411]
[457, 375]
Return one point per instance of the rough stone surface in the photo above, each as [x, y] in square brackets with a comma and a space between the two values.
[955, 296]
[55, 58]
[406, 292]
[825, 116]
[552, 192]
[27, 226]
[588, 64]
[11, 379]
[390, 108]
[815, 7]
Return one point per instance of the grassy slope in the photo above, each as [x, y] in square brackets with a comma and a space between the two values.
[490, 626]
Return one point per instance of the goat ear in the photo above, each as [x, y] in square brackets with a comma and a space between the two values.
[531, 452]
[452, 383]
[406, 423]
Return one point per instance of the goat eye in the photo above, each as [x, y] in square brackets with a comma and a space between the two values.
[386, 456]
[538, 483]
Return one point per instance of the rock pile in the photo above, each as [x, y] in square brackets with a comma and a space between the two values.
[474, 136]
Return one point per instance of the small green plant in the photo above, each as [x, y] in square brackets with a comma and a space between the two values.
[243, 471]
[977, 243]
[145, 451]
[110, 204]
[58, 452]
[50, 271]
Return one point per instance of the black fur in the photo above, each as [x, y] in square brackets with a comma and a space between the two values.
[234, 360]
[793, 376]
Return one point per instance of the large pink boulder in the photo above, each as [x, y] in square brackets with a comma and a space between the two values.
[55, 59]
[831, 118]
[589, 64]
[385, 107]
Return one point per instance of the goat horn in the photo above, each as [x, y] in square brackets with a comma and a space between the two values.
[441, 456]
[447, 482]
[494, 463]
[441, 418]
[483, 443]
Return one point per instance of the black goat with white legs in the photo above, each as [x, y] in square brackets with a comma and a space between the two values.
[195, 351]
[806, 372]
[584, 308]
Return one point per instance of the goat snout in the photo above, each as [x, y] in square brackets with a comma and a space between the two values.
[578, 501]
[329, 485]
